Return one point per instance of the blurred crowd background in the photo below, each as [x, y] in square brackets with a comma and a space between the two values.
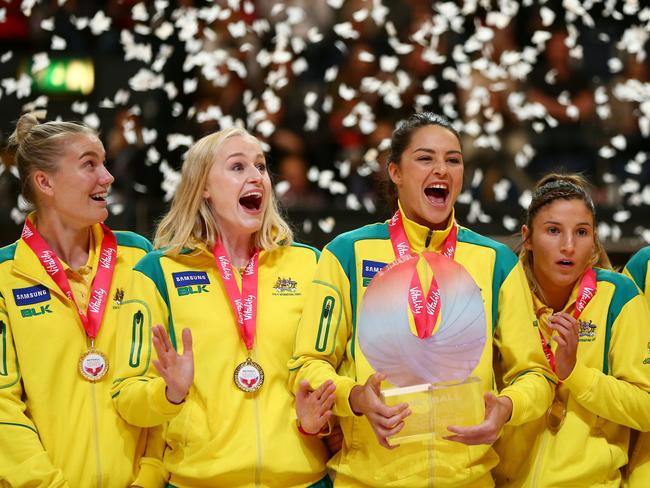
[533, 86]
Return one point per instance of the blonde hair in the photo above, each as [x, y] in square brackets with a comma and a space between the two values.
[38, 146]
[550, 188]
[190, 223]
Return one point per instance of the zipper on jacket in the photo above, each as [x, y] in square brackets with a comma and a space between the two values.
[428, 239]
[258, 431]
[98, 457]
[540, 457]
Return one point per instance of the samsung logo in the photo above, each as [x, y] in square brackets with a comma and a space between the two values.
[371, 268]
[31, 295]
[187, 278]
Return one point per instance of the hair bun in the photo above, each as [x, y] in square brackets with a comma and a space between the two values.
[25, 124]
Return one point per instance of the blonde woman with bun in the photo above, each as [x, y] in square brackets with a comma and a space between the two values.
[61, 286]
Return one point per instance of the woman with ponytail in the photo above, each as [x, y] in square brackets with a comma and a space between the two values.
[60, 288]
[593, 328]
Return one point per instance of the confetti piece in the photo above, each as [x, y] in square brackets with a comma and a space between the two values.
[327, 224]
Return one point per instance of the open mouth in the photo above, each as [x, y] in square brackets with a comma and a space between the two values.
[251, 200]
[437, 193]
[565, 262]
[99, 197]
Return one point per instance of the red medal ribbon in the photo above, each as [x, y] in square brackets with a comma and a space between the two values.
[244, 303]
[92, 317]
[586, 292]
[424, 322]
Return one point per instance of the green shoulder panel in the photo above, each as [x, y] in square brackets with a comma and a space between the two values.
[305, 246]
[342, 247]
[7, 253]
[131, 239]
[624, 291]
[638, 267]
[504, 263]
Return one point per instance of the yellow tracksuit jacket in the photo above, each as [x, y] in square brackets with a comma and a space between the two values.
[220, 436]
[606, 394]
[57, 429]
[638, 470]
[327, 348]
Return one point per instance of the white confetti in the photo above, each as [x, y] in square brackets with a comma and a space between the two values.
[47, 24]
[633, 168]
[314, 36]
[606, 152]
[331, 73]
[630, 186]
[145, 80]
[100, 23]
[92, 120]
[266, 128]
[299, 66]
[164, 31]
[149, 136]
[510, 223]
[79, 107]
[153, 156]
[525, 198]
[497, 19]
[621, 216]
[501, 189]
[171, 179]
[40, 61]
[388, 64]
[325, 177]
[327, 224]
[366, 57]
[174, 141]
[237, 29]
[352, 202]
[346, 93]
[282, 187]
[615, 65]
[345, 30]
[619, 142]
[58, 43]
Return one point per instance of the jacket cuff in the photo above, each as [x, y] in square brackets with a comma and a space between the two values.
[519, 413]
[342, 406]
[152, 474]
[160, 402]
[580, 379]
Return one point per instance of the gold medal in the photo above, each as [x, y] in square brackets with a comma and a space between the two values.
[93, 365]
[555, 415]
[249, 376]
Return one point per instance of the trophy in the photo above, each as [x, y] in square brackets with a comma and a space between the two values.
[431, 374]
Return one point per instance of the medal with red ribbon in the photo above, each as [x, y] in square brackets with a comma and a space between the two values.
[425, 312]
[557, 411]
[93, 364]
[248, 375]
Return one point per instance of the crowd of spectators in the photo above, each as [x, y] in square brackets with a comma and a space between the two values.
[532, 85]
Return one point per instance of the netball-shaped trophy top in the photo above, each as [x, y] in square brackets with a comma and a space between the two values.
[431, 373]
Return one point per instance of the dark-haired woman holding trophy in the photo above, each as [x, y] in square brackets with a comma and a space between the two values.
[426, 168]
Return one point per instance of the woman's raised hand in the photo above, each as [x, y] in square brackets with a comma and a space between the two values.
[567, 328]
[177, 370]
